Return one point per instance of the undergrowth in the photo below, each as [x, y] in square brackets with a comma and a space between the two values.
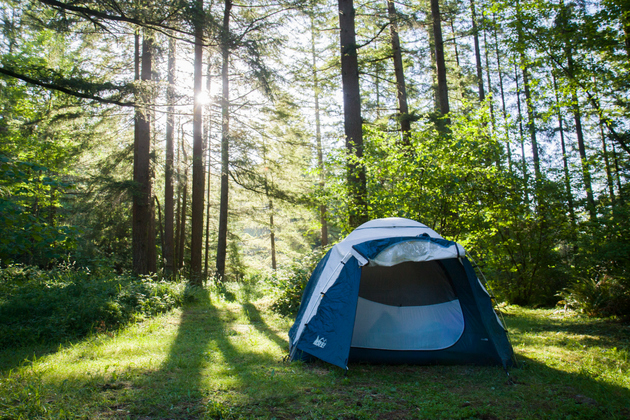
[288, 282]
[57, 305]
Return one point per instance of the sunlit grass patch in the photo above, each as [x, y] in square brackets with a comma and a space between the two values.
[222, 357]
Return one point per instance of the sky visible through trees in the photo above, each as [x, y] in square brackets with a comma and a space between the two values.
[501, 125]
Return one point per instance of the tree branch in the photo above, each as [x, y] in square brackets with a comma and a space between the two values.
[66, 90]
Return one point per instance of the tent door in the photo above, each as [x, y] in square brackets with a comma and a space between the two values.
[408, 306]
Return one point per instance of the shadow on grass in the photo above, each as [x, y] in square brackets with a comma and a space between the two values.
[601, 333]
[257, 321]
[545, 392]
[213, 363]
[176, 390]
[12, 358]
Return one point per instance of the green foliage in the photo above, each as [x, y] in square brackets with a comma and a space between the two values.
[289, 282]
[603, 266]
[603, 296]
[457, 185]
[66, 303]
[28, 234]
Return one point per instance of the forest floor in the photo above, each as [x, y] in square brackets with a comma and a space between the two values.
[223, 358]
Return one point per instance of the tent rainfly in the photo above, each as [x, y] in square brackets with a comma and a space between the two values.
[394, 291]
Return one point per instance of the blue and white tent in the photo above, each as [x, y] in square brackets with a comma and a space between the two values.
[394, 291]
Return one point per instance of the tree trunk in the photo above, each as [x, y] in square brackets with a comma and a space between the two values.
[352, 116]
[318, 141]
[625, 22]
[521, 136]
[272, 236]
[143, 237]
[586, 172]
[434, 84]
[487, 57]
[565, 164]
[225, 139]
[401, 90]
[503, 107]
[455, 47]
[531, 123]
[482, 92]
[440, 64]
[577, 115]
[207, 136]
[168, 251]
[196, 228]
[178, 216]
[609, 176]
[184, 208]
[377, 84]
[618, 176]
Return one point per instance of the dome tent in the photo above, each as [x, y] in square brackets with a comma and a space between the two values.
[394, 291]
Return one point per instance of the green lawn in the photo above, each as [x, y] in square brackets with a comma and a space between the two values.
[221, 358]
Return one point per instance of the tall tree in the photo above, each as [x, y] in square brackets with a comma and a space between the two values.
[183, 206]
[207, 135]
[225, 141]
[440, 63]
[143, 236]
[318, 139]
[506, 124]
[475, 31]
[169, 209]
[565, 162]
[198, 190]
[356, 177]
[529, 101]
[401, 89]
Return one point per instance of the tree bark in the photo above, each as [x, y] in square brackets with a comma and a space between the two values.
[531, 123]
[487, 57]
[440, 64]
[207, 135]
[401, 89]
[178, 214]
[168, 251]
[482, 92]
[565, 164]
[143, 236]
[225, 140]
[196, 229]
[184, 206]
[618, 176]
[609, 177]
[434, 84]
[318, 141]
[353, 128]
[503, 107]
[577, 116]
[521, 135]
[272, 237]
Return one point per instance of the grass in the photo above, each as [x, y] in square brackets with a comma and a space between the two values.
[219, 358]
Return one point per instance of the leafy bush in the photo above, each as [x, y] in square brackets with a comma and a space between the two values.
[53, 306]
[29, 234]
[599, 297]
[289, 282]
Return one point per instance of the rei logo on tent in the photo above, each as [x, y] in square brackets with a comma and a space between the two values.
[320, 342]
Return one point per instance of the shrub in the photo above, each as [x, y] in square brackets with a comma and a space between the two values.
[54, 306]
[605, 296]
[289, 282]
